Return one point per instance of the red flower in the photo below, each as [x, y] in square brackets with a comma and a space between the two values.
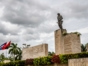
[55, 59]
[29, 61]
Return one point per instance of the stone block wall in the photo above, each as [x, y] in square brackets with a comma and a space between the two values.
[67, 44]
[59, 42]
[35, 51]
[78, 62]
[53, 65]
[87, 47]
[72, 43]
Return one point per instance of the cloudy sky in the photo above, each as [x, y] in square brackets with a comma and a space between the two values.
[34, 21]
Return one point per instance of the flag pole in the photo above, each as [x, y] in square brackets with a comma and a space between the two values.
[6, 52]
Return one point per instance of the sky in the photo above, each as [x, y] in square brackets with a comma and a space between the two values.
[34, 21]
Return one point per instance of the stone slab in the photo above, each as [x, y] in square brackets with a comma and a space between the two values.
[53, 65]
[35, 51]
[72, 44]
[78, 62]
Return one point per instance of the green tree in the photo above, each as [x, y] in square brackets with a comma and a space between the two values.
[2, 57]
[19, 55]
[50, 53]
[83, 48]
[14, 50]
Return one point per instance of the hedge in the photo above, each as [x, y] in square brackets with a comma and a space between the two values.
[15, 63]
[60, 59]
[64, 57]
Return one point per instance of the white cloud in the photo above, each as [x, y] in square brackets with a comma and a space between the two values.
[84, 30]
[1, 11]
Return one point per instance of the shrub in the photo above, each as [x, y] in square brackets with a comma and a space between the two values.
[42, 61]
[55, 59]
[29, 61]
[64, 34]
[64, 58]
[15, 63]
[76, 33]
[47, 60]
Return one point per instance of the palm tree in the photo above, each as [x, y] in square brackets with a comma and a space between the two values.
[19, 55]
[13, 50]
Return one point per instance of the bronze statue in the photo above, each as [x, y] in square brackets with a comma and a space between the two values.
[59, 18]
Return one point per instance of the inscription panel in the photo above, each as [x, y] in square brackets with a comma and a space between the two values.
[67, 44]
[35, 51]
[76, 43]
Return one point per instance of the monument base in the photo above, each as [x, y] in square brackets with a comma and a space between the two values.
[67, 43]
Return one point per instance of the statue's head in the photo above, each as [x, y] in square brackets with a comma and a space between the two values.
[58, 13]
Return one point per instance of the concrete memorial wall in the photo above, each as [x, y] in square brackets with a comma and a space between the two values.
[72, 44]
[35, 51]
[78, 62]
[53, 65]
[67, 44]
[87, 47]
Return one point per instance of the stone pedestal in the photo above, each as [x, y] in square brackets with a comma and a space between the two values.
[59, 42]
[67, 44]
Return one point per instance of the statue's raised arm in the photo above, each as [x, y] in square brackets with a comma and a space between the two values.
[59, 18]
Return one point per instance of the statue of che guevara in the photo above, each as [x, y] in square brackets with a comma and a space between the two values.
[59, 18]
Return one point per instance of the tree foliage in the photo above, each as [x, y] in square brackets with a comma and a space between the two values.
[83, 48]
[50, 53]
[15, 51]
[2, 57]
